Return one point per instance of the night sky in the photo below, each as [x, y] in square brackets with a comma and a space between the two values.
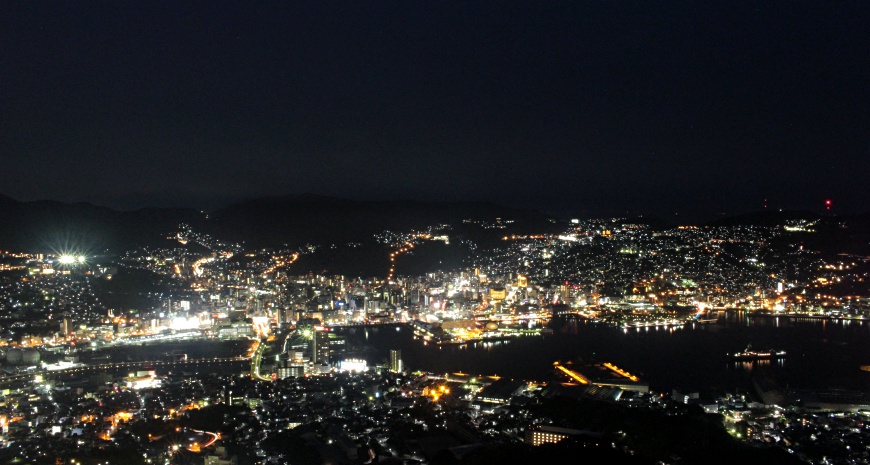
[593, 107]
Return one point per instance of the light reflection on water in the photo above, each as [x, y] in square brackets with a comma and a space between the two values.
[750, 365]
[820, 352]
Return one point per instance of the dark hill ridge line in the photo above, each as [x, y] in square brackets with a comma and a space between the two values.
[44, 225]
[765, 218]
[306, 218]
[41, 225]
[313, 200]
[779, 218]
[48, 225]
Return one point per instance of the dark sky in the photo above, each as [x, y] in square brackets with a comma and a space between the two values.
[589, 106]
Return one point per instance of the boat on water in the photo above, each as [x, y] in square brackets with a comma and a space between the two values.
[757, 354]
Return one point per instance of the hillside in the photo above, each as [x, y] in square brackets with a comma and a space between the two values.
[47, 226]
[274, 221]
[50, 226]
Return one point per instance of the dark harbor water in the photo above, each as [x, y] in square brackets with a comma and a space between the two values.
[821, 353]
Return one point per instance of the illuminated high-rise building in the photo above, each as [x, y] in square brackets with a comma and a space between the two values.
[320, 346]
[522, 281]
[396, 361]
[65, 327]
[551, 434]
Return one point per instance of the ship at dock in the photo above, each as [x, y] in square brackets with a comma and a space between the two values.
[706, 315]
[757, 354]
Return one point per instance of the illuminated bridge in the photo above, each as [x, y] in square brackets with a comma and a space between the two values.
[149, 364]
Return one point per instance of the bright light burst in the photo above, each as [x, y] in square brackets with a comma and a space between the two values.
[72, 247]
[70, 260]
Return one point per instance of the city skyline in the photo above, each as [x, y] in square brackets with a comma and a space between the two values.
[747, 338]
[436, 233]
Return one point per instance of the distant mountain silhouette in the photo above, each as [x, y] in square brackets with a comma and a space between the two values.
[831, 234]
[46, 226]
[765, 218]
[50, 226]
[299, 219]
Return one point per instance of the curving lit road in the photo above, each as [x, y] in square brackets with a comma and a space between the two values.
[256, 358]
[213, 437]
